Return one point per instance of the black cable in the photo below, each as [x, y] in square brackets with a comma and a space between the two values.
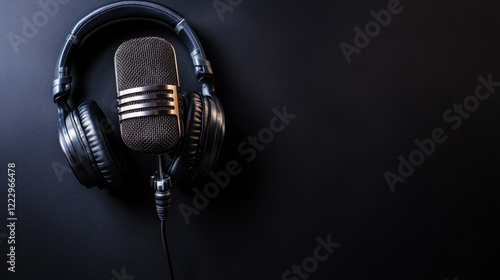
[163, 196]
[165, 247]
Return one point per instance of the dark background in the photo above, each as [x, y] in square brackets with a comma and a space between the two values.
[321, 176]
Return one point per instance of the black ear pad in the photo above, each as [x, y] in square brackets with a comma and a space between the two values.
[213, 134]
[187, 159]
[94, 141]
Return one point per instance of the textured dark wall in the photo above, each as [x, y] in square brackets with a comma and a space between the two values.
[414, 104]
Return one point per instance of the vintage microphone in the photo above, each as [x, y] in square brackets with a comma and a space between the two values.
[148, 109]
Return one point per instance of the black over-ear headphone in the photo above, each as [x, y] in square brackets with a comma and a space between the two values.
[90, 147]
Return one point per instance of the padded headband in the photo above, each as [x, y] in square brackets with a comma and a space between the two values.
[130, 10]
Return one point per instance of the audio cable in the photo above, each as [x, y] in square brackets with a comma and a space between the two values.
[165, 248]
[163, 196]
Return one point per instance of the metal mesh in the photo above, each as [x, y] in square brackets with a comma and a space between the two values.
[141, 62]
[145, 61]
[153, 134]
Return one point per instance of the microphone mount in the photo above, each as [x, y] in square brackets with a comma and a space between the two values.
[161, 183]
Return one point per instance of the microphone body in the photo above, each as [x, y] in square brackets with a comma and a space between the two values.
[147, 84]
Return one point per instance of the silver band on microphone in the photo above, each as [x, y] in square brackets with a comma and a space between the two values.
[152, 100]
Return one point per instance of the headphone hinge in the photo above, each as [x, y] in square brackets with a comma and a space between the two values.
[203, 71]
[61, 88]
[206, 77]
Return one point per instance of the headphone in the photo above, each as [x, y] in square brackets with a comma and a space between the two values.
[89, 145]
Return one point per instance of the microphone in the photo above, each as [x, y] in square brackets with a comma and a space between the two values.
[148, 109]
[147, 83]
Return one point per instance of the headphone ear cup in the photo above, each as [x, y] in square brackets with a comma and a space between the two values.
[186, 164]
[100, 145]
[213, 133]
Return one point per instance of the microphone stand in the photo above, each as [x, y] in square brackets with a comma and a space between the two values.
[161, 183]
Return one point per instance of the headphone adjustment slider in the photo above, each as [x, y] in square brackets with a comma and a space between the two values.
[61, 88]
[203, 69]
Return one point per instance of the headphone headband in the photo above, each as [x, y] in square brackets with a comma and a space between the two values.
[130, 10]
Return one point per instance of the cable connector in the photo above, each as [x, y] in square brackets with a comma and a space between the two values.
[163, 196]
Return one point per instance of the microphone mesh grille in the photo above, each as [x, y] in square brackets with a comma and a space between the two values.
[162, 133]
[145, 61]
[140, 62]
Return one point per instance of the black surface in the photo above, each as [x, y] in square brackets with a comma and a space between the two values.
[322, 175]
